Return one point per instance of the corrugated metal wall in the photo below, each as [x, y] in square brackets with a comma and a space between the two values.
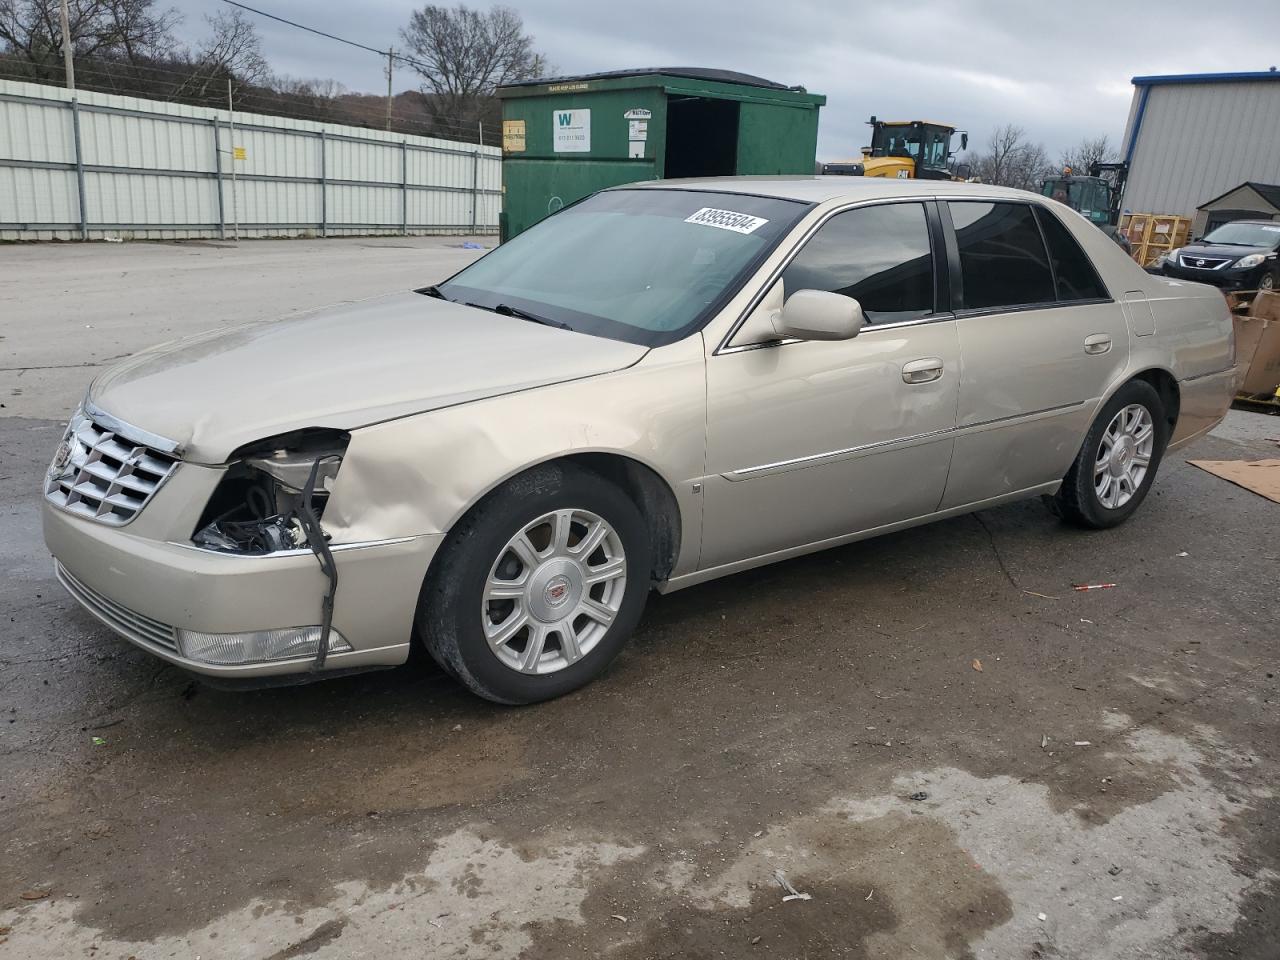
[154, 170]
[1199, 140]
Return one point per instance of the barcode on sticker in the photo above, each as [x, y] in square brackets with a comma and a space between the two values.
[727, 220]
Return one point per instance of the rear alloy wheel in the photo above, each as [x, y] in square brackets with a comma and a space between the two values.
[537, 589]
[1124, 456]
[1118, 461]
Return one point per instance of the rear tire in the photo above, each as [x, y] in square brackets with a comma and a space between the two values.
[1117, 463]
[537, 589]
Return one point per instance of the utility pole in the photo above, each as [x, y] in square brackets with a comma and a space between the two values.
[391, 53]
[231, 133]
[69, 66]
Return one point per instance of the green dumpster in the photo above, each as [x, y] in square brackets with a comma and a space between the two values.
[565, 138]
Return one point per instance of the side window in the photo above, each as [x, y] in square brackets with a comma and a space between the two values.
[1003, 262]
[878, 255]
[1077, 279]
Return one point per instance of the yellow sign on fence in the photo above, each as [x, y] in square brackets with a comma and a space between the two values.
[239, 153]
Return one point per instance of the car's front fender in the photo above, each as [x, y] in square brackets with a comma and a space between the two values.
[421, 474]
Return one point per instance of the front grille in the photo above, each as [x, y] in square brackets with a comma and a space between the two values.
[101, 474]
[133, 626]
[1204, 263]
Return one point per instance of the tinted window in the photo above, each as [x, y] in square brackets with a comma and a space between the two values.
[1002, 258]
[1077, 280]
[879, 255]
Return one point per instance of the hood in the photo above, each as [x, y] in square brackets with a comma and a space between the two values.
[1233, 251]
[342, 367]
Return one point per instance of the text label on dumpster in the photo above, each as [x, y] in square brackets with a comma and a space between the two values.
[571, 131]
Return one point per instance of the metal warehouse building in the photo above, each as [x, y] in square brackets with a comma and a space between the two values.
[1193, 137]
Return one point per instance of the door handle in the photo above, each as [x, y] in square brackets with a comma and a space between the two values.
[924, 370]
[1097, 343]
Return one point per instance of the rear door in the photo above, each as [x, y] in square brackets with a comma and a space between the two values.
[1041, 340]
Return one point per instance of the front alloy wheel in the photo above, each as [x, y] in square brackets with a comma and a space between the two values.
[554, 591]
[538, 587]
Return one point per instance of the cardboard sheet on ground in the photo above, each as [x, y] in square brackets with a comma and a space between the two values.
[1260, 476]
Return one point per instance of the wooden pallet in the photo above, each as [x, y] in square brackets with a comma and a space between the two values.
[1151, 234]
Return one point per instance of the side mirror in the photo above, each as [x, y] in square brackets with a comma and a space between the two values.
[819, 315]
[964, 141]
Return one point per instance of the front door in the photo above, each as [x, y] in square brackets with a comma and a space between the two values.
[808, 441]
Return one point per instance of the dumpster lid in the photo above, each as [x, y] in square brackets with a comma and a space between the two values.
[691, 73]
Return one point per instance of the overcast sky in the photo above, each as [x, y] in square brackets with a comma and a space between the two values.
[1061, 70]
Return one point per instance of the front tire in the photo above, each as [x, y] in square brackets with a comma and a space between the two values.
[1117, 463]
[537, 589]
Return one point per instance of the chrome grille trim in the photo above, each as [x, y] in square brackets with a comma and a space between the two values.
[101, 474]
[140, 629]
[1209, 263]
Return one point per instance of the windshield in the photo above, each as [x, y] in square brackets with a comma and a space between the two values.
[1088, 196]
[646, 266]
[896, 140]
[1246, 234]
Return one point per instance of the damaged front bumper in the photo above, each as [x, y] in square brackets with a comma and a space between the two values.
[175, 600]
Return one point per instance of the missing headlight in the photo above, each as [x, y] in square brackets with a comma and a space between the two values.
[257, 508]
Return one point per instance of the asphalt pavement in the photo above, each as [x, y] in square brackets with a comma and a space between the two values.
[942, 748]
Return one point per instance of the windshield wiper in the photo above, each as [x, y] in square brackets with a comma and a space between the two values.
[509, 311]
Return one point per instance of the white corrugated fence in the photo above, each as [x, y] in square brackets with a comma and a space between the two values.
[111, 166]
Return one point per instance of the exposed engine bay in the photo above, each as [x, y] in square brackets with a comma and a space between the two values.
[263, 503]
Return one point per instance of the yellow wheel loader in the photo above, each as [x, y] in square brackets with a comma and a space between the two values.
[906, 149]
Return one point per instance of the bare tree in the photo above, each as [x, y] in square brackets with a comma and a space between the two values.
[464, 55]
[142, 32]
[123, 30]
[1087, 152]
[1011, 160]
[233, 48]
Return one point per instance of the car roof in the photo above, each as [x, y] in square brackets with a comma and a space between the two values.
[1256, 223]
[816, 189]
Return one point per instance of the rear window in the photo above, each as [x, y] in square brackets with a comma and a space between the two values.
[1076, 278]
[1003, 262]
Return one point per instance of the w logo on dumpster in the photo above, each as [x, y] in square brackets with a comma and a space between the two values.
[571, 131]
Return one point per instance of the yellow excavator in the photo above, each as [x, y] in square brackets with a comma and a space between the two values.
[906, 149]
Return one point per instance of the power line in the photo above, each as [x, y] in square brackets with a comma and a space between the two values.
[137, 80]
[389, 52]
[300, 26]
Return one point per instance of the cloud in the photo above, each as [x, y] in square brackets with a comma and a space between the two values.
[1060, 71]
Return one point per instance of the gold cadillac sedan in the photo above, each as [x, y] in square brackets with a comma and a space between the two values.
[662, 384]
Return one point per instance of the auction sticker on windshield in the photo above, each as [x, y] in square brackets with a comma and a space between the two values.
[727, 220]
